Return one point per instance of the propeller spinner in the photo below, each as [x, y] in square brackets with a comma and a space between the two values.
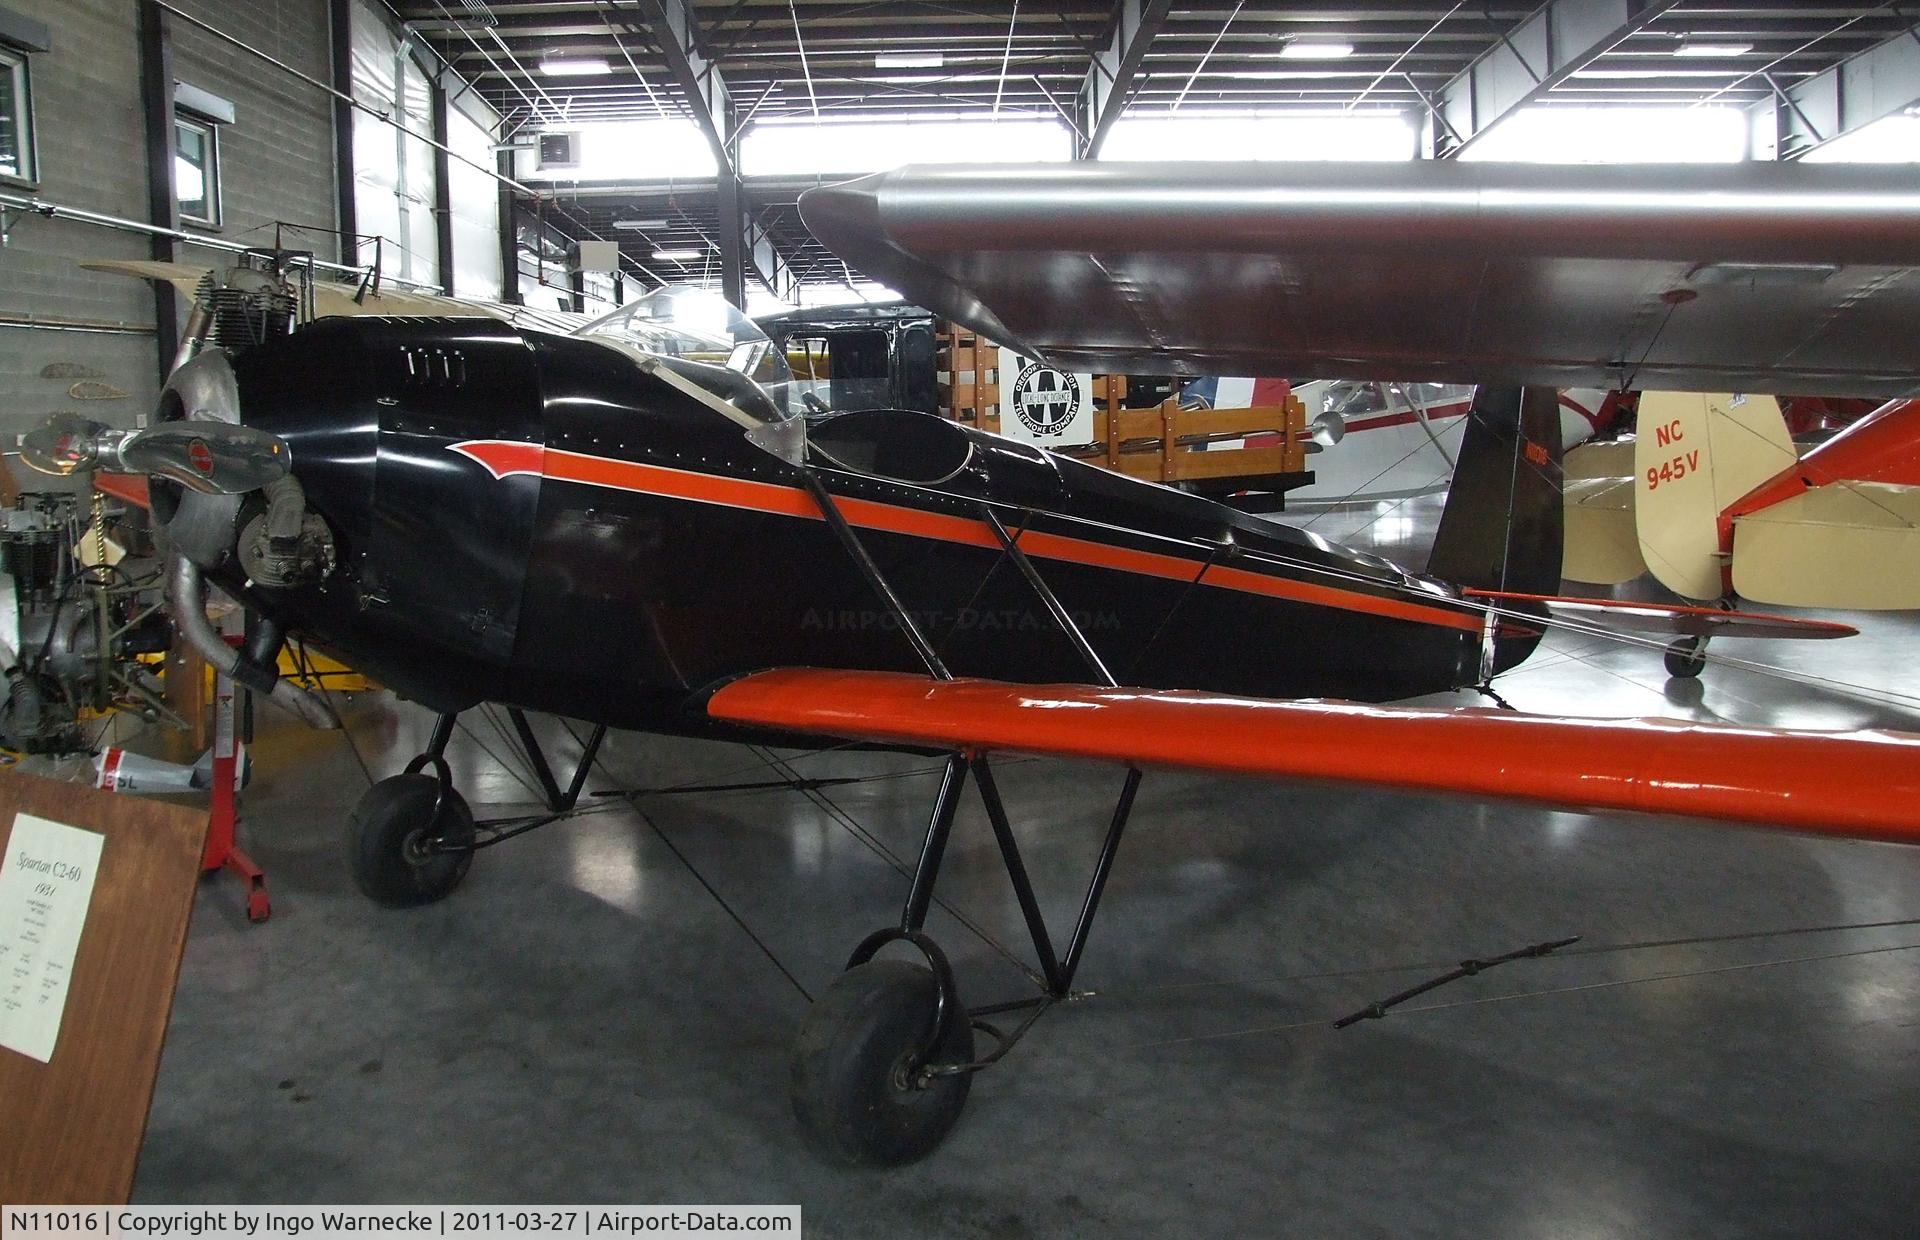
[217, 458]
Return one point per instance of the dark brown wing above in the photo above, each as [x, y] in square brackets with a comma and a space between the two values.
[1746, 277]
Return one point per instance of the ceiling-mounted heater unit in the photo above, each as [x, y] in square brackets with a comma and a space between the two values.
[559, 151]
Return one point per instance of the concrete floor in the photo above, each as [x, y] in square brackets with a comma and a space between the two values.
[603, 1011]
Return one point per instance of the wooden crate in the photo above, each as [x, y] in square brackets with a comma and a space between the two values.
[1162, 444]
[969, 376]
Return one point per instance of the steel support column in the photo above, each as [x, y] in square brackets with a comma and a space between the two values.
[1111, 78]
[442, 188]
[1556, 41]
[340, 22]
[733, 241]
[163, 203]
[1880, 82]
[766, 260]
[710, 105]
[509, 234]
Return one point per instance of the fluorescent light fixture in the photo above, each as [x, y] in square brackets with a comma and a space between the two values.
[909, 60]
[576, 66]
[1694, 47]
[678, 256]
[1315, 50]
[638, 225]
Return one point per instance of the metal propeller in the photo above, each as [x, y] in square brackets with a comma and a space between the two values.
[218, 458]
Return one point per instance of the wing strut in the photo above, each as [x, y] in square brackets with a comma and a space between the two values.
[1057, 971]
[863, 560]
[1055, 608]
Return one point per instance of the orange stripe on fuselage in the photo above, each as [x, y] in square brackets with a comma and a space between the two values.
[502, 458]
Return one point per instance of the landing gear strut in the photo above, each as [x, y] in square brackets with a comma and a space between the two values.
[411, 837]
[1686, 657]
[885, 1057]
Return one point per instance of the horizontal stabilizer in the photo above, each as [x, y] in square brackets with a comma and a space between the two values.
[1859, 784]
[1603, 546]
[1676, 620]
[1850, 545]
[1606, 458]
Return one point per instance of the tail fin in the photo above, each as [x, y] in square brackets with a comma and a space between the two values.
[1694, 457]
[1504, 522]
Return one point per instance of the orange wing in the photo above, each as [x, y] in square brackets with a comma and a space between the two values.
[1857, 784]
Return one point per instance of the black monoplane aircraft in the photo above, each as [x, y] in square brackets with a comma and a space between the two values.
[626, 528]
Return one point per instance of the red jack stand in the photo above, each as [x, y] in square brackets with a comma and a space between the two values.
[222, 852]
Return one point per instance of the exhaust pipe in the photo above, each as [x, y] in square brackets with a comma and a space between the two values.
[190, 616]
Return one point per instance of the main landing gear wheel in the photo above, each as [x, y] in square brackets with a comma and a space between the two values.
[395, 841]
[1687, 657]
[860, 1087]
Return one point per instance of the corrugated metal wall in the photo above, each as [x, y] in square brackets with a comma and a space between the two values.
[475, 198]
[393, 174]
[87, 105]
[276, 164]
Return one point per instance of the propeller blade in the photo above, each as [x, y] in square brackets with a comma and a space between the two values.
[219, 458]
[65, 443]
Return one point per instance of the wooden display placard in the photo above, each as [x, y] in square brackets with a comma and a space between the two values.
[73, 1124]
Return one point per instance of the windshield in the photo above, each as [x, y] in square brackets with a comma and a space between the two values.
[694, 325]
[1352, 398]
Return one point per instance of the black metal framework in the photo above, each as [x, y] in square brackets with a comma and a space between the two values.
[557, 801]
[560, 802]
[863, 560]
[1010, 544]
[1056, 970]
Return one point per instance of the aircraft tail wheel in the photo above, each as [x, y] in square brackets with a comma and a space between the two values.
[397, 841]
[859, 1086]
[1687, 657]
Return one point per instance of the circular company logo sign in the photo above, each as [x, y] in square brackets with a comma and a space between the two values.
[200, 456]
[1045, 399]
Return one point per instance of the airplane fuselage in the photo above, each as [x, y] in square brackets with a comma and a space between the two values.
[538, 520]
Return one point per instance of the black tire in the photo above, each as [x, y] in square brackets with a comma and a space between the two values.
[1687, 657]
[850, 1063]
[386, 835]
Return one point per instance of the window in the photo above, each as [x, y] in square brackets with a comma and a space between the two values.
[16, 118]
[196, 169]
[847, 369]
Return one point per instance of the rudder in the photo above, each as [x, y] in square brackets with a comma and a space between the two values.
[1504, 523]
[1695, 456]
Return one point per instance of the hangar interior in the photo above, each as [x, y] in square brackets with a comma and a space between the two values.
[1720, 1040]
